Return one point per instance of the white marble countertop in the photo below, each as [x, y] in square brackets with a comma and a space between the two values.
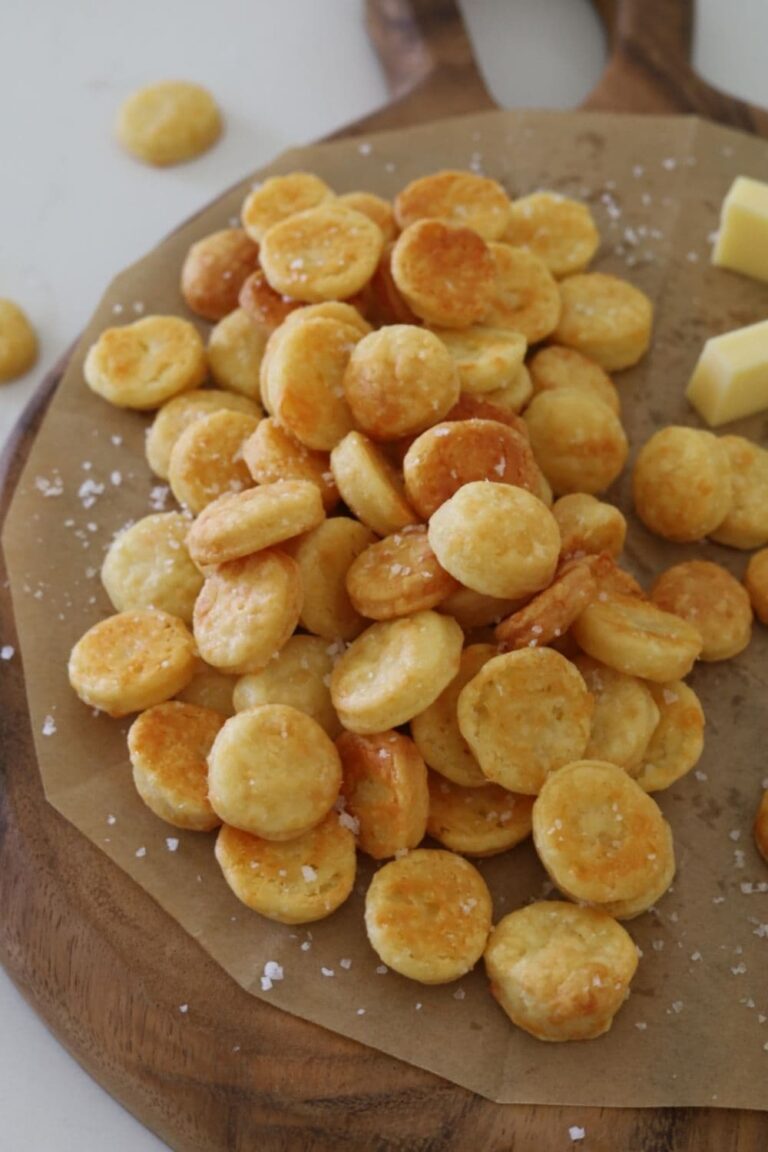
[75, 210]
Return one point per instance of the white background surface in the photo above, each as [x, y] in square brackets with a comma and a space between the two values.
[74, 210]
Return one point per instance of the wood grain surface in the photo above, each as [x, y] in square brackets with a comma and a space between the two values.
[99, 960]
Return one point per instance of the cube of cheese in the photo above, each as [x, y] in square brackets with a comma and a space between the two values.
[731, 377]
[742, 242]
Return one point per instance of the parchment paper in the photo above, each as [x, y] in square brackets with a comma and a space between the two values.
[694, 1031]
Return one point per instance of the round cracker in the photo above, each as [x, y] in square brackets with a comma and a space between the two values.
[556, 367]
[756, 584]
[207, 459]
[428, 915]
[214, 270]
[525, 297]
[398, 576]
[169, 122]
[279, 197]
[712, 600]
[273, 772]
[384, 786]
[141, 365]
[241, 523]
[445, 273]
[324, 557]
[178, 414]
[681, 483]
[558, 230]
[549, 615]
[605, 318]
[625, 717]
[636, 637]
[588, 525]
[148, 566]
[370, 486]
[272, 454]
[677, 742]
[18, 341]
[746, 522]
[455, 197]
[325, 253]
[299, 675]
[477, 821]
[579, 443]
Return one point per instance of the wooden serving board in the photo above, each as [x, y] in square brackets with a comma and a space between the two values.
[98, 959]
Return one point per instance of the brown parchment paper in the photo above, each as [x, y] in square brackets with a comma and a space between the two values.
[694, 1031]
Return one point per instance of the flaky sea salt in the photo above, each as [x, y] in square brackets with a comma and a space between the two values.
[7, 652]
[171, 843]
[576, 1133]
[49, 726]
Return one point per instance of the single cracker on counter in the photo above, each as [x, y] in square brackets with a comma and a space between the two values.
[560, 972]
[384, 785]
[18, 341]
[428, 915]
[525, 715]
[291, 881]
[148, 566]
[298, 675]
[248, 785]
[169, 122]
[480, 821]
[168, 746]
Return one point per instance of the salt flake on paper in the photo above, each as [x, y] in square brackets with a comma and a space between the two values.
[7, 652]
[49, 726]
[576, 1133]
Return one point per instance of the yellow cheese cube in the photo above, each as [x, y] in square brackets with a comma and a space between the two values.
[731, 377]
[742, 243]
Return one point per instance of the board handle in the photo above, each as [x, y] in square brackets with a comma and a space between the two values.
[432, 71]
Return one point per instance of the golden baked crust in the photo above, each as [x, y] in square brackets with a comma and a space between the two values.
[486, 359]
[384, 785]
[207, 458]
[549, 614]
[298, 675]
[261, 304]
[496, 539]
[279, 197]
[304, 370]
[473, 610]
[272, 454]
[756, 584]
[525, 296]
[235, 350]
[746, 522]
[636, 637]
[210, 688]
[625, 718]
[18, 341]
[445, 273]
[589, 525]
[370, 485]
[293, 881]
[556, 367]
[681, 483]
[560, 972]
[273, 772]
[399, 380]
[436, 729]
[241, 523]
[524, 715]
[428, 915]
[394, 670]
[712, 600]
[579, 443]
[246, 611]
[605, 318]
[168, 747]
[325, 253]
[324, 557]
[143, 364]
[398, 576]
[177, 414]
[375, 208]
[169, 122]
[214, 270]
[455, 197]
[449, 455]
[132, 661]
[677, 741]
[602, 840]
[560, 231]
[148, 566]
[760, 828]
[480, 821]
